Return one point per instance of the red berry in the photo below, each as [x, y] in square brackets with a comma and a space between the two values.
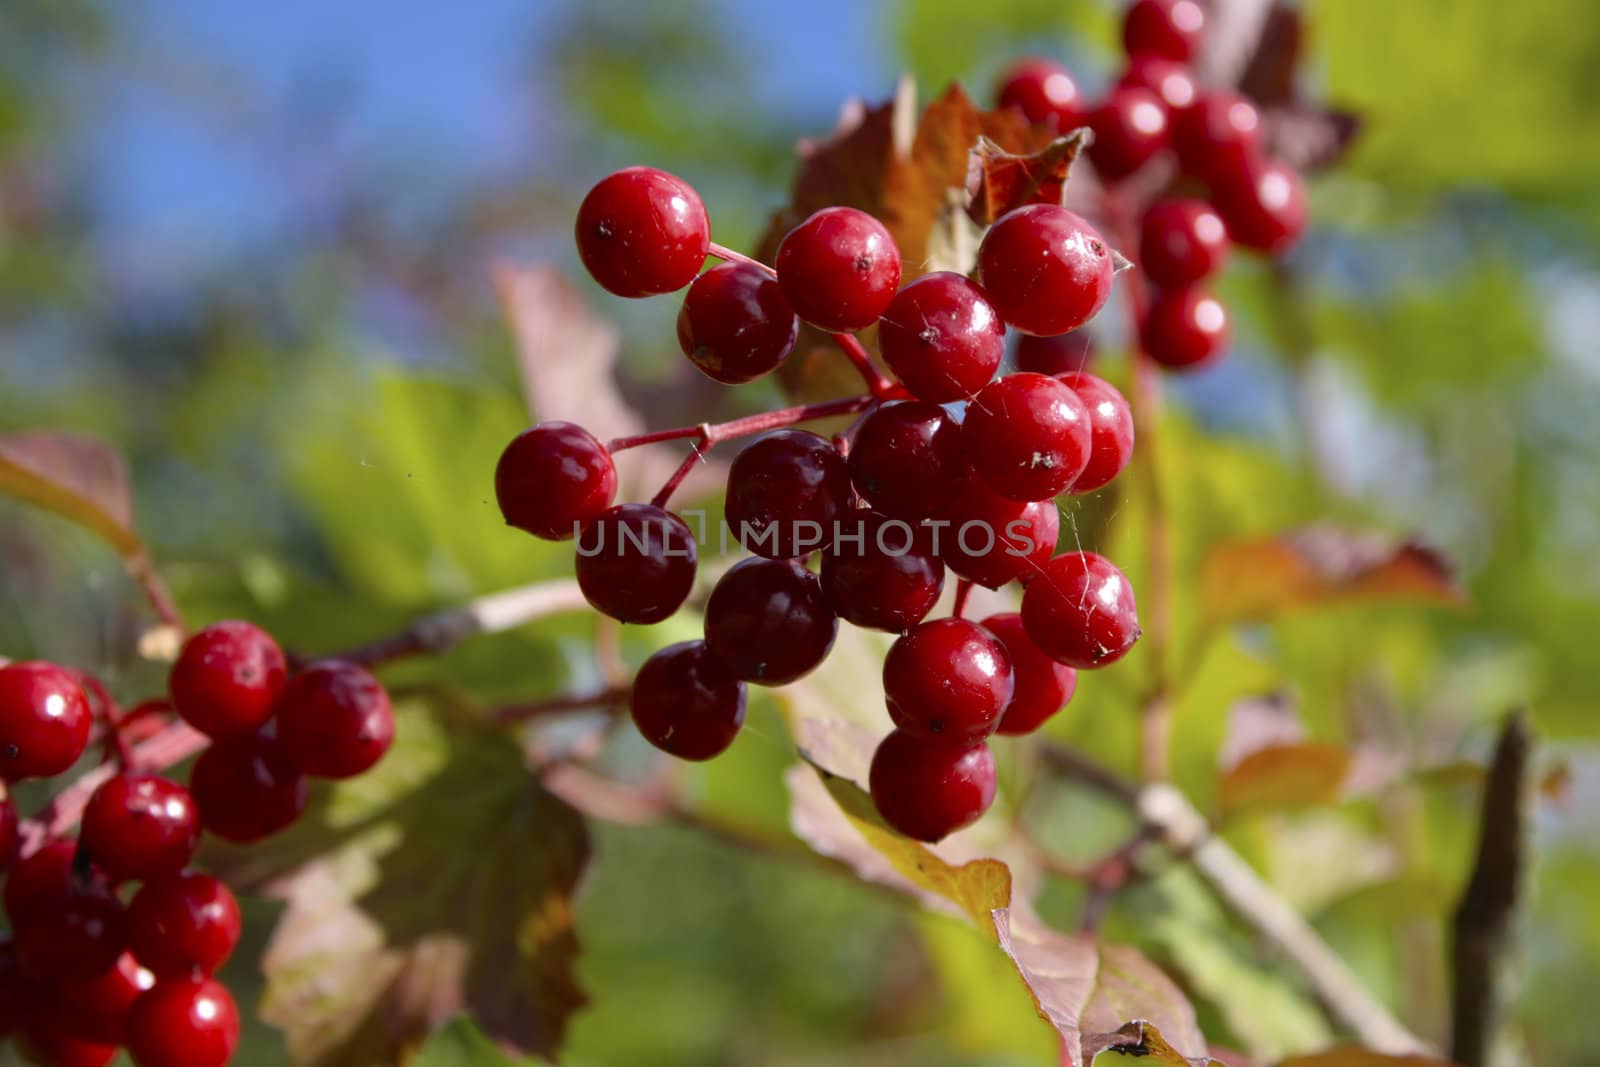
[97, 1010]
[736, 324]
[881, 573]
[334, 720]
[928, 787]
[948, 677]
[14, 989]
[227, 678]
[1080, 611]
[1043, 91]
[8, 828]
[642, 231]
[1170, 29]
[43, 1041]
[45, 875]
[1185, 328]
[183, 923]
[839, 268]
[1110, 430]
[1170, 81]
[44, 720]
[990, 539]
[769, 621]
[1045, 269]
[552, 479]
[72, 935]
[140, 826]
[1130, 127]
[183, 1022]
[687, 703]
[1265, 208]
[1182, 242]
[1042, 686]
[636, 563]
[904, 458]
[1027, 436]
[785, 490]
[1065, 353]
[247, 788]
[1218, 136]
[941, 337]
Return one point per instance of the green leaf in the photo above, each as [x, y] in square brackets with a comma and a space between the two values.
[1351, 1056]
[459, 1043]
[440, 881]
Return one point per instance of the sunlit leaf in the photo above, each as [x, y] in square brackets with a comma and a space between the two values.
[999, 181]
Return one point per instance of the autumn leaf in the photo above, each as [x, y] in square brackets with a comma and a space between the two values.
[439, 883]
[76, 476]
[999, 181]
[1282, 777]
[1141, 1040]
[1351, 1056]
[1316, 566]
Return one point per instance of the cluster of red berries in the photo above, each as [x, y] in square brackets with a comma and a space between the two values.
[114, 939]
[1155, 112]
[954, 468]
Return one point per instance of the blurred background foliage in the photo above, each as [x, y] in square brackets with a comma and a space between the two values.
[251, 248]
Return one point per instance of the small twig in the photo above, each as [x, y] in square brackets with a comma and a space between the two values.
[612, 697]
[155, 589]
[174, 744]
[716, 433]
[490, 614]
[1484, 918]
[963, 591]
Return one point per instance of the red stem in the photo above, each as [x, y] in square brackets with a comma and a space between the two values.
[605, 698]
[712, 434]
[853, 349]
[963, 591]
[690, 462]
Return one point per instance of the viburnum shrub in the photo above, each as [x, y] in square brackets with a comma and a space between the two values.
[985, 419]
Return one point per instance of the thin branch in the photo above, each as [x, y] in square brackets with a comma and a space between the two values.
[1484, 918]
[611, 697]
[155, 590]
[715, 433]
[490, 614]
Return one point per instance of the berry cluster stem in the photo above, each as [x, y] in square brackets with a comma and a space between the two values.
[710, 434]
[852, 347]
[1145, 401]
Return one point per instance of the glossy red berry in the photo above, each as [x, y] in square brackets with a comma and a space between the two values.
[1110, 430]
[642, 231]
[904, 458]
[247, 788]
[839, 268]
[687, 703]
[1027, 436]
[736, 324]
[1065, 353]
[335, 720]
[1182, 242]
[1170, 29]
[948, 677]
[1041, 686]
[1169, 80]
[1080, 611]
[785, 489]
[8, 828]
[41, 877]
[227, 678]
[1130, 127]
[1265, 209]
[1045, 270]
[72, 935]
[141, 826]
[183, 1022]
[45, 1042]
[1185, 328]
[44, 720]
[1043, 91]
[1218, 136]
[182, 924]
[769, 621]
[97, 1010]
[14, 989]
[881, 573]
[636, 563]
[553, 478]
[990, 539]
[929, 787]
[942, 337]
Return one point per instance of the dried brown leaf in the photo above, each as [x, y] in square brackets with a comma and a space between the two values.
[999, 181]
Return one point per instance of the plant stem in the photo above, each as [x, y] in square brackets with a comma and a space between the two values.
[155, 590]
[714, 433]
[963, 591]
[1159, 584]
[848, 344]
[610, 697]
[690, 462]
